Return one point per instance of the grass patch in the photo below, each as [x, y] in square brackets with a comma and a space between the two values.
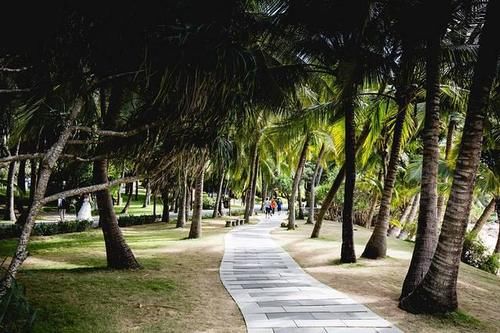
[377, 283]
[178, 290]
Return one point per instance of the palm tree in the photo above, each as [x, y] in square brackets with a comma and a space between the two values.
[426, 238]
[437, 291]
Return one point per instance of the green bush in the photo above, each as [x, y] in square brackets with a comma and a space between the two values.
[127, 221]
[208, 202]
[475, 253]
[46, 229]
[16, 314]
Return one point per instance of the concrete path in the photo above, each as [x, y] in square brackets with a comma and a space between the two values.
[276, 295]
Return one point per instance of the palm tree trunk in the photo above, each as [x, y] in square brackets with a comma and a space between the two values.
[441, 206]
[181, 214]
[118, 253]
[33, 178]
[412, 215]
[295, 184]
[371, 212]
[136, 191]
[299, 202]
[46, 166]
[21, 176]
[10, 214]
[490, 208]
[165, 215]
[437, 292]
[129, 199]
[147, 197]
[254, 187]
[312, 191]
[218, 200]
[377, 244]
[427, 226]
[325, 205]
[347, 253]
[195, 230]
[248, 200]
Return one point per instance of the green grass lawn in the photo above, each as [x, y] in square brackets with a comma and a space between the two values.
[377, 283]
[67, 282]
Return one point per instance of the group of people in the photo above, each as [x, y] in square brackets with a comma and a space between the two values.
[271, 205]
[83, 214]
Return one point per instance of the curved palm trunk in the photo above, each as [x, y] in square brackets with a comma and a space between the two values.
[219, 194]
[10, 214]
[497, 246]
[254, 186]
[295, 184]
[325, 205]
[118, 253]
[300, 214]
[312, 192]
[371, 213]
[129, 199]
[347, 253]
[248, 198]
[33, 178]
[46, 166]
[426, 238]
[490, 208]
[165, 215]
[21, 176]
[377, 244]
[437, 292]
[195, 230]
[181, 214]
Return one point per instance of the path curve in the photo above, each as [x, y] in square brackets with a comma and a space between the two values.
[275, 295]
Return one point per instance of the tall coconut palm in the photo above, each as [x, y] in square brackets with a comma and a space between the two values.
[437, 291]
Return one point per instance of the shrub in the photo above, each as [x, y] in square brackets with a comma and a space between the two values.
[474, 253]
[46, 229]
[127, 221]
[16, 314]
[208, 202]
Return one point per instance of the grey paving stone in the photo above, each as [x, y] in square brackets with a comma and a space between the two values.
[275, 295]
[300, 330]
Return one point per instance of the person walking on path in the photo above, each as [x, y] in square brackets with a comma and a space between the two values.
[267, 207]
[273, 206]
[279, 203]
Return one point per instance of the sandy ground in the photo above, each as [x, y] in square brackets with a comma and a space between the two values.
[377, 284]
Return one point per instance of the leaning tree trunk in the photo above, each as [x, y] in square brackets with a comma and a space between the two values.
[371, 212]
[427, 226]
[147, 197]
[490, 208]
[218, 200]
[325, 205]
[118, 253]
[195, 230]
[412, 214]
[10, 214]
[248, 201]
[300, 214]
[377, 244]
[165, 215]
[312, 192]
[46, 166]
[254, 187]
[497, 247]
[33, 178]
[181, 214]
[129, 199]
[438, 291]
[21, 176]
[295, 185]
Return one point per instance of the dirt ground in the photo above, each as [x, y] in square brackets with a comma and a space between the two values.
[377, 283]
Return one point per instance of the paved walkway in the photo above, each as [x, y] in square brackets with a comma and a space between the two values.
[276, 295]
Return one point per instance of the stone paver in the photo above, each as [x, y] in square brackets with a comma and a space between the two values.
[276, 296]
